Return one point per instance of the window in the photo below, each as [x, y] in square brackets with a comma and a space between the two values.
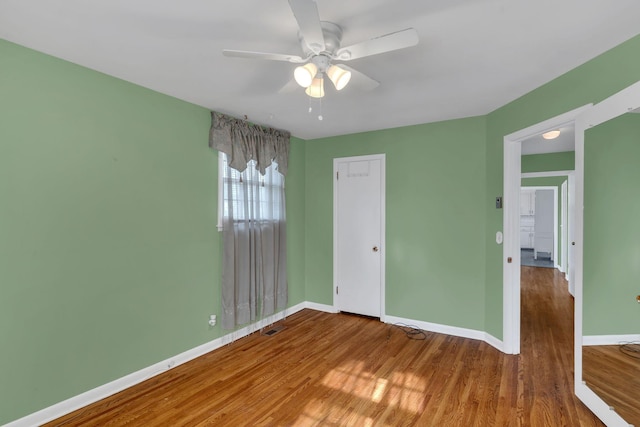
[248, 195]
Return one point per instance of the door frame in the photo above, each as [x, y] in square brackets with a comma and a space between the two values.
[564, 229]
[628, 99]
[569, 214]
[511, 224]
[336, 162]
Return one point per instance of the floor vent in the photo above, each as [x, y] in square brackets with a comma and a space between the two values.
[274, 330]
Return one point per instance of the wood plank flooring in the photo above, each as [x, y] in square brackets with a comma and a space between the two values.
[615, 377]
[346, 370]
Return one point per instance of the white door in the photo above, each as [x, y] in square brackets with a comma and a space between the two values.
[359, 235]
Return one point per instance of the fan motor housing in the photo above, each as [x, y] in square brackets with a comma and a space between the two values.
[332, 37]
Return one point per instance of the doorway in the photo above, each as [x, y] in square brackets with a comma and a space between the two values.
[359, 230]
[511, 224]
[539, 226]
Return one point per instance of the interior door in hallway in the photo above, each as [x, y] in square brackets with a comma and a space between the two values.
[359, 235]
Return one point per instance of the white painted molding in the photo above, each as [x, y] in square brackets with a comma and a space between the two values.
[72, 404]
[320, 307]
[609, 339]
[512, 175]
[511, 246]
[494, 342]
[547, 174]
[448, 330]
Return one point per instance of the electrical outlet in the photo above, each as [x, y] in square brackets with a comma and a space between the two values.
[212, 320]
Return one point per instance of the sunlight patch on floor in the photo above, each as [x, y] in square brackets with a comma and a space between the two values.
[403, 391]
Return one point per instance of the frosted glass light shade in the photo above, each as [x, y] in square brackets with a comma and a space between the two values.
[339, 76]
[316, 89]
[304, 74]
[553, 134]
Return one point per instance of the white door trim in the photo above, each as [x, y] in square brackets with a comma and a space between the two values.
[511, 225]
[546, 174]
[569, 216]
[567, 213]
[564, 228]
[336, 161]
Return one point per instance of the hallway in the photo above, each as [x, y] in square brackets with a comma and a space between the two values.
[546, 360]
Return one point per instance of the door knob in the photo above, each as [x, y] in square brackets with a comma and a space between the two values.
[375, 249]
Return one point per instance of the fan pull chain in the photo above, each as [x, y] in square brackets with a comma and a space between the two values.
[319, 107]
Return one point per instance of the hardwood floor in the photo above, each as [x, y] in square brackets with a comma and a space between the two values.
[339, 369]
[615, 377]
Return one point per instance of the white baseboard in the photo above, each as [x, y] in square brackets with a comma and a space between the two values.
[609, 339]
[494, 342]
[72, 404]
[449, 330]
[320, 307]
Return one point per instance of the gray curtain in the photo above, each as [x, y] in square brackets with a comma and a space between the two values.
[242, 142]
[254, 277]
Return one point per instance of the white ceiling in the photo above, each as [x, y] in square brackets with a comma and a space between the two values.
[538, 145]
[473, 56]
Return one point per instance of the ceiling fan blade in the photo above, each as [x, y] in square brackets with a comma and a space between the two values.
[308, 18]
[290, 86]
[263, 55]
[360, 80]
[382, 44]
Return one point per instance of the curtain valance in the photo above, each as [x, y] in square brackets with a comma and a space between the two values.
[243, 142]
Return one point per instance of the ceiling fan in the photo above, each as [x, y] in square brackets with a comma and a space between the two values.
[320, 42]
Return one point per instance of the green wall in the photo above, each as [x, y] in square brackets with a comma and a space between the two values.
[295, 190]
[548, 162]
[109, 253]
[590, 83]
[611, 227]
[434, 218]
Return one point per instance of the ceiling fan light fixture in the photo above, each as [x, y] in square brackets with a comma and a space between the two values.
[305, 74]
[316, 89]
[553, 134]
[339, 76]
